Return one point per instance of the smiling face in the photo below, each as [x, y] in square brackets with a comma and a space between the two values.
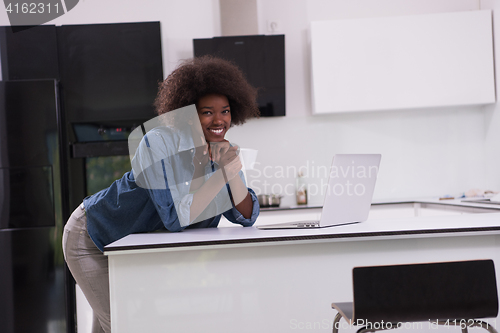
[215, 116]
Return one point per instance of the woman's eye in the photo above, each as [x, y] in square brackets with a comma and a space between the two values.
[207, 112]
[226, 111]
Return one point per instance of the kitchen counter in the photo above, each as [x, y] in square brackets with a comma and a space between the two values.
[385, 209]
[462, 202]
[477, 224]
[250, 280]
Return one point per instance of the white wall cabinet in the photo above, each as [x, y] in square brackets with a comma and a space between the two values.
[388, 63]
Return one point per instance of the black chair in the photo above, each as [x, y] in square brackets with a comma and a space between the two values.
[446, 293]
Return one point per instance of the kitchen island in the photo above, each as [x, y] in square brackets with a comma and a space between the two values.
[250, 280]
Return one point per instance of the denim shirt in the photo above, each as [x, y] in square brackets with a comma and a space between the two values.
[154, 196]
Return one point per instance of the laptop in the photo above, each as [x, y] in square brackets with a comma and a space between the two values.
[348, 195]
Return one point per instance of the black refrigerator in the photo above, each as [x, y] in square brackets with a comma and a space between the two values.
[32, 288]
[70, 97]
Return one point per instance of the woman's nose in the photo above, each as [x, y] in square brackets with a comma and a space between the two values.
[218, 118]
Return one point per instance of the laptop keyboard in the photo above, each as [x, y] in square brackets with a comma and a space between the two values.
[307, 225]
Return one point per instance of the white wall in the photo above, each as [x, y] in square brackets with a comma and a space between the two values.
[426, 152]
[492, 112]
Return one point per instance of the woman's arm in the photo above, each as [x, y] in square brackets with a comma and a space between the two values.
[230, 164]
[206, 193]
[241, 198]
[159, 168]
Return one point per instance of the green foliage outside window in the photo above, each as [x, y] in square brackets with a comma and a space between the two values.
[103, 171]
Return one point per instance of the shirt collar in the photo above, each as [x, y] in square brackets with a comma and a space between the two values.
[185, 139]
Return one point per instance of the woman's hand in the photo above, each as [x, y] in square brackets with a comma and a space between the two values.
[229, 162]
[218, 149]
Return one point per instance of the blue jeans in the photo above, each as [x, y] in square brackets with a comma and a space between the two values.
[89, 267]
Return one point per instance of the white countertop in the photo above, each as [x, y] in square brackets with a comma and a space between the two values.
[435, 226]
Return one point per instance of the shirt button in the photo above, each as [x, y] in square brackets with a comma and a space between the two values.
[191, 150]
[186, 183]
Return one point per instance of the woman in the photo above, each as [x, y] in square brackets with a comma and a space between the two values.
[184, 176]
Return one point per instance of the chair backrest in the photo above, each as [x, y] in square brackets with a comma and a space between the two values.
[422, 292]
